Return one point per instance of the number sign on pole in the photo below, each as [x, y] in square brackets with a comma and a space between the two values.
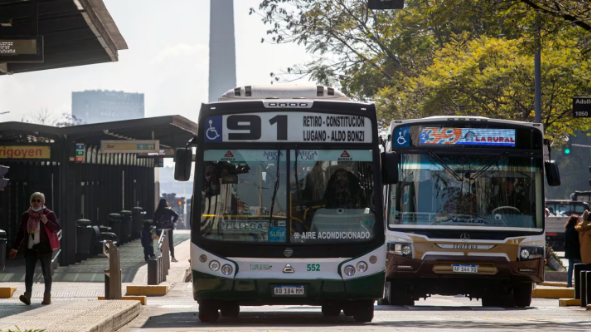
[582, 107]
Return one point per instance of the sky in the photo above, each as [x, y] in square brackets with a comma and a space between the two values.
[167, 60]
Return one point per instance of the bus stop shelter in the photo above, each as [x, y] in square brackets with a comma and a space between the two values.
[44, 158]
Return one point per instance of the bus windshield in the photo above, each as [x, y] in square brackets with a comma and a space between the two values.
[245, 196]
[454, 191]
[332, 196]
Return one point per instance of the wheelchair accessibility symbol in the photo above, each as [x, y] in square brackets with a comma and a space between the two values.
[402, 137]
[213, 133]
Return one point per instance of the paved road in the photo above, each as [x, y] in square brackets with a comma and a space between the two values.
[178, 312]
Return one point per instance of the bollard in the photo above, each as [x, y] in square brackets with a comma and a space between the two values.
[583, 288]
[154, 270]
[587, 282]
[578, 268]
[113, 274]
[165, 250]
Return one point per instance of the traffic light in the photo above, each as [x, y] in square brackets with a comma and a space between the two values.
[3, 181]
[385, 4]
[568, 146]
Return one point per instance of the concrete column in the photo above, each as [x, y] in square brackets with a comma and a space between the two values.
[222, 48]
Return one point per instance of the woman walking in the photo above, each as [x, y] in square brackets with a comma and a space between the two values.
[165, 218]
[38, 227]
[572, 248]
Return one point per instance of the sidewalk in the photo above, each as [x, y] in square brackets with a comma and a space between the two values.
[77, 297]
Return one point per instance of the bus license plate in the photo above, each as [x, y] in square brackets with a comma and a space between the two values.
[464, 268]
[289, 290]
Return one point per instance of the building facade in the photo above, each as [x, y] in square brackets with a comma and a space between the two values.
[97, 106]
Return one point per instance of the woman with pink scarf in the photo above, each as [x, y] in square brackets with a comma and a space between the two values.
[38, 230]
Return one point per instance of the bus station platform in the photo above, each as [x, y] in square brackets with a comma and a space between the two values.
[76, 290]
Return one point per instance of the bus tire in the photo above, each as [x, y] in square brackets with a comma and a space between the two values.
[331, 310]
[522, 294]
[230, 310]
[384, 300]
[208, 313]
[348, 311]
[397, 296]
[363, 311]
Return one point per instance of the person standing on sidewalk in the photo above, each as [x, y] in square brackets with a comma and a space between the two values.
[584, 230]
[572, 247]
[148, 235]
[38, 229]
[165, 218]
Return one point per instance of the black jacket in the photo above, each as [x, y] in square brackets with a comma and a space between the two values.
[572, 247]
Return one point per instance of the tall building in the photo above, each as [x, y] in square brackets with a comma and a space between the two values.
[96, 106]
[222, 48]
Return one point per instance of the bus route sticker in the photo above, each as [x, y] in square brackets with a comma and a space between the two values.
[276, 234]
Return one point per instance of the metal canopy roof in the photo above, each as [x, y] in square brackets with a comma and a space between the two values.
[75, 32]
[172, 131]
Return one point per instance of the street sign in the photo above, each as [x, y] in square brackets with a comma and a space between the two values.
[25, 152]
[130, 146]
[582, 107]
[80, 150]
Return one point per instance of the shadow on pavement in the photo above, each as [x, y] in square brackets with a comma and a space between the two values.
[316, 319]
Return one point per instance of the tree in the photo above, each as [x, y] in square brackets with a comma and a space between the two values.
[421, 60]
[44, 117]
[493, 77]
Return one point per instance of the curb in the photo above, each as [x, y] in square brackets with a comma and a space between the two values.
[553, 293]
[142, 299]
[7, 292]
[569, 302]
[553, 284]
[147, 290]
[117, 320]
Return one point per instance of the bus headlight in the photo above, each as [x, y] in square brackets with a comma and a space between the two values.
[362, 267]
[227, 269]
[529, 253]
[400, 249]
[203, 258]
[214, 265]
[373, 259]
[349, 270]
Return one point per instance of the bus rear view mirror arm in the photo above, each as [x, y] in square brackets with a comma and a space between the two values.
[182, 167]
[552, 173]
[390, 161]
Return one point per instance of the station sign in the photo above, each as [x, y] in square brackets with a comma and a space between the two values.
[25, 152]
[130, 146]
[582, 107]
[80, 152]
[301, 127]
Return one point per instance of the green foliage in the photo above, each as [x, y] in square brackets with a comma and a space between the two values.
[461, 57]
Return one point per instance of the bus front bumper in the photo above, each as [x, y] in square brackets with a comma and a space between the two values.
[261, 291]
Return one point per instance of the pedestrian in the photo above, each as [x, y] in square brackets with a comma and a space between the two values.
[148, 235]
[165, 218]
[584, 230]
[39, 228]
[572, 247]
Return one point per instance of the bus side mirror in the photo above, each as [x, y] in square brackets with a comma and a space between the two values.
[390, 161]
[552, 173]
[182, 166]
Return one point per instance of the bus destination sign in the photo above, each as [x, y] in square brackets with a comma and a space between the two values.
[467, 136]
[582, 107]
[298, 127]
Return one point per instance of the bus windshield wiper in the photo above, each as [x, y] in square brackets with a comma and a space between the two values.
[276, 186]
[444, 165]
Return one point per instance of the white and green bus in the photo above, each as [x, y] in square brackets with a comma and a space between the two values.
[287, 202]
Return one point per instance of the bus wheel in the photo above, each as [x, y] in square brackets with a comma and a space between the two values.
[348, 311]
[230, 310]
[331, 310]
[208, 313]
[522, 294]
[384, 300]
[363, 311]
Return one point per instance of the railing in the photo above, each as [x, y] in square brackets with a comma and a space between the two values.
[158, 266]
